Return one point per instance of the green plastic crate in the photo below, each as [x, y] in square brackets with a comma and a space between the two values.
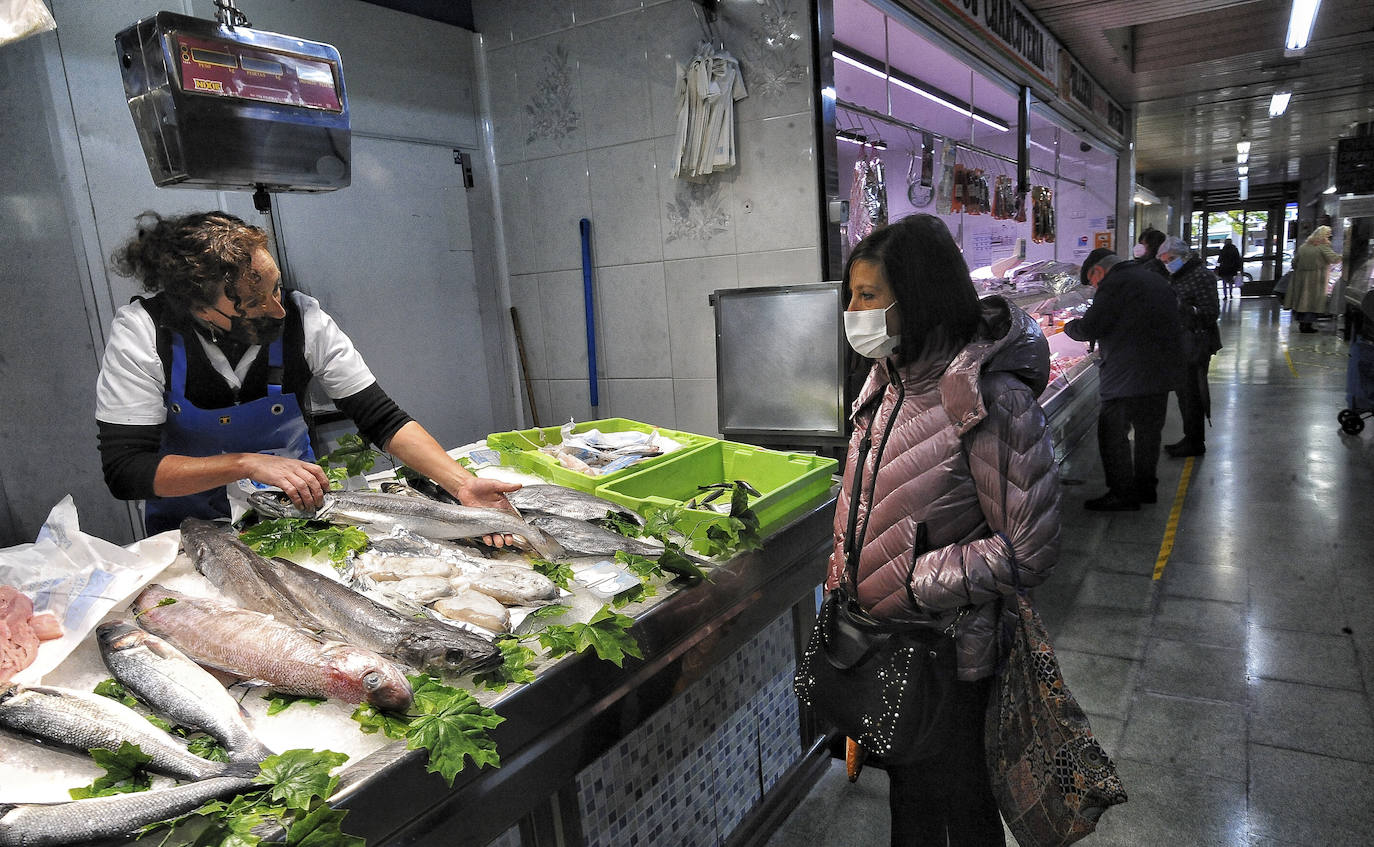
[520, 449]
[786, 481]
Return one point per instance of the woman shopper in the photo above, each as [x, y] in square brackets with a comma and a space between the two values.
[1307, 291]
[1228, 267]
[949, 487]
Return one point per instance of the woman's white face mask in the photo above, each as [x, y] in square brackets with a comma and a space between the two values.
[867, 332]
[1138, 251]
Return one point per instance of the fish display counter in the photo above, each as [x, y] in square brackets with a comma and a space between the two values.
[690, 735]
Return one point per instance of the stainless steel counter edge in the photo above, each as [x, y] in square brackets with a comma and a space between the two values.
[581, 706]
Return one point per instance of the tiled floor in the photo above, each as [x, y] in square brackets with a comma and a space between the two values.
[1234, 691]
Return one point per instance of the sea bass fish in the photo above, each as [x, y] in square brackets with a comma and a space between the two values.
[257, 646]
[80, 722]
[319, 603]
[426, 517]
[176, 687]
[100, 819]
[567, 503]
[580, 538]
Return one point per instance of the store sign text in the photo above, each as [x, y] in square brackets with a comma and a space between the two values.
[1013, 24]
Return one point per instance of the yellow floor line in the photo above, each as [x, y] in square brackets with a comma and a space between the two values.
[1171, 528]
[1290, 362]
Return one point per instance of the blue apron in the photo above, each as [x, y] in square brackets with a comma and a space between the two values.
[272, 424]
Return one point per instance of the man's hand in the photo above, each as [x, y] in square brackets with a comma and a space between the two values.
[304, 482]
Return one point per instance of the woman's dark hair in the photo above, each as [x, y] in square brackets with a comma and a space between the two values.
[1151, 238]
[928, 277]
[191, 259]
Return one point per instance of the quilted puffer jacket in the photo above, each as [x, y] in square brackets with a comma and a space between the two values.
[956, 484]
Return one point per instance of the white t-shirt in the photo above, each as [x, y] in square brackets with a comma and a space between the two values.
[130, 387]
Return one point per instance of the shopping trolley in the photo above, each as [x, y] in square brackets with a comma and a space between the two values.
[1359, 385]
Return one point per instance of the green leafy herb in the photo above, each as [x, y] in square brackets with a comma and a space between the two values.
[206, 747]
[560, 574]
[616, 522]
[116, 691]
[641, 566]
[372, 721]
[165, 601]
[608, 633]
[124, 772]
[677, 562]
[320, 828]
[643, 591]
[553, 610]
[297, 776]
[286, 536]
[447, 722]
[659, 523]
[279, 702]
[353, 454]
[452, 730]
[514, 668]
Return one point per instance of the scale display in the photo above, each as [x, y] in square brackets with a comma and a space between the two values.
[228, 69]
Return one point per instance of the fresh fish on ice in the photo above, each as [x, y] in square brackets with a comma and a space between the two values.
[426, 517]
[421, 589]
[325, 605]
[514, 585]
[580, 538]
[232, 567]
[352, 617]
[79, 722]
[567, 503]
[473, 607]
[99, 819]
[176, 687]
[382, 568]
[252, 645]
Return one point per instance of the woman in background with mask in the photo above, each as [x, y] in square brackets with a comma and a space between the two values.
[200, 384]
[950, 497]
[1146, 251]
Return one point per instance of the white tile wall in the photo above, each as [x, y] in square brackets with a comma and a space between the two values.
[691, 319]
[583, 95]
[632, 318]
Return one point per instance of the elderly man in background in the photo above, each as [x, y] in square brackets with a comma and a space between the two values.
[1196, 289]
[1134, 320]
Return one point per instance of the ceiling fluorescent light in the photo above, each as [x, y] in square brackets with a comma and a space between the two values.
[1144, 201]
[1278, 104]
[1300, 24]
[859, 138]
[1243, 170]
[1243, 148]
[1242, 158]
[1331, 189]
[1245, 188]
[897, 77]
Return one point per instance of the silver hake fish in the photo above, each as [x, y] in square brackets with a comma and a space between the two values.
[320, 603]
[80, 722]
[580, 538]
[100, 819]
[176, 687]
[568, 503]
[429, 518]
[252, 645]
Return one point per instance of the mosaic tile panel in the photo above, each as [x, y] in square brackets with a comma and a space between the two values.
[691, 772]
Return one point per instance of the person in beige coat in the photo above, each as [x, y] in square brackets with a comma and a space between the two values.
[1307, 291]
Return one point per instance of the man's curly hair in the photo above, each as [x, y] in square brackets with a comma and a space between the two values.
[191, 259]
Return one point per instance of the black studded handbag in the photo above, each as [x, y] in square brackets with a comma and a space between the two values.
[885, 685]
